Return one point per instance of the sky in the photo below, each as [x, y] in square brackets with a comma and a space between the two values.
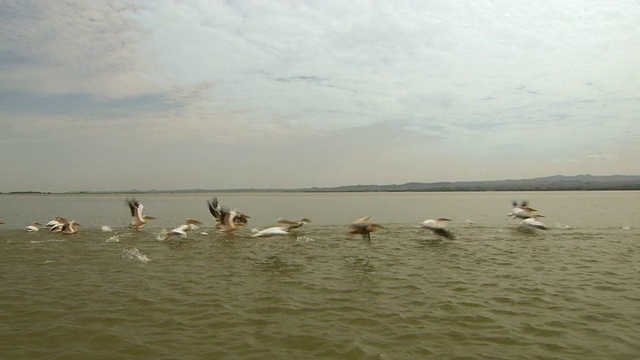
[119, 95]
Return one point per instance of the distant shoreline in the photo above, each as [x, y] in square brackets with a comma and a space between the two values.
[550, 183]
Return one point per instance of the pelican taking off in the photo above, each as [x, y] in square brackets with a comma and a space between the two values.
[533, 222]
[181, 231]
[290, 225]
[226, 220]
[284, 228]
[522, 211]
[33, 227]
[438, 227]
[138, 219]
[54, 225]
[67, 227]
[364, 227]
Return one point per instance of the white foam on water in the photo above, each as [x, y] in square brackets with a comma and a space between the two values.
[135, 255]
[106, 228]
[304, 239]
[114, 238]
[48, 261]
[162, 234]
[46, 241]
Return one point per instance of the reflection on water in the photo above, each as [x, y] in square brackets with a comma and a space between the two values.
[494, 292]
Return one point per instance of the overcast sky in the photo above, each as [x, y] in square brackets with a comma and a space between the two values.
[116, 95]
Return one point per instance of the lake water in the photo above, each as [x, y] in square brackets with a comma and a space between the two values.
[572, 292]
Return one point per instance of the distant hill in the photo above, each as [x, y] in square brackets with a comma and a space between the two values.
[549, 183]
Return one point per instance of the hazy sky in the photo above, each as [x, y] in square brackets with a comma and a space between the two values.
[114, 95]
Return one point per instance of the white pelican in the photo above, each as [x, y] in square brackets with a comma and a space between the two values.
[54, 225]
[218, 212]
[438, 226]
[68, 227]
[364, 227]
[290, 225]
[522, 211]
[532, 222]
[269, 232]
[283, 229]
[33, 227]
[138, 219]
[181, 231]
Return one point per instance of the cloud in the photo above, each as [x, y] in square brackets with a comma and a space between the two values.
[347, 91]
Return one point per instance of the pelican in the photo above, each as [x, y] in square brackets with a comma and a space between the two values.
[364, 227]
[68, 227]
[522, 211]
[218, 212]
[284, 228]
[54, 226]
[33, 227]
[291, 225]
[137, 218]
[533, 222]
[226, 220]
[272, 231]
[438, 227]
[181, 231]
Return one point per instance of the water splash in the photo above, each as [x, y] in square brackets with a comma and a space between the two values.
[135, 255]
[106, 228]
[304, 239]
[162, 234]
[114, 239]
[46, 241]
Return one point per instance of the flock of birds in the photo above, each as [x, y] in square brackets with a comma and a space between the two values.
[229, 220]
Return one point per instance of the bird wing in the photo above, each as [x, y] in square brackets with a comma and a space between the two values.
[214, 208]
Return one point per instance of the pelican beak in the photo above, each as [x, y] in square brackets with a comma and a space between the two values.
[149, 218]
[193, 222]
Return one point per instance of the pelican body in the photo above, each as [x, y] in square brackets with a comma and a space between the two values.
[438, 227]
[138, 219]
[181, 231]
[226, 220]
[534, 223]
[33, 227]
[66, 227]
[522, 210]
[364, 227]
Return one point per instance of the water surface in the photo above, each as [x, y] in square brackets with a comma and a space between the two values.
[494, 292]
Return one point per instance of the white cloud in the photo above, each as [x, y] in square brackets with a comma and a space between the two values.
[483, 89]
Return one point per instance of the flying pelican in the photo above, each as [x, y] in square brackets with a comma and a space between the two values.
[283, 229]
[137, 218]
[33, 227]
[181, 231]
[438, 227]
[218, 212]
[68, 227]
[54, 225]
[290, 225]
[522, 211]
[226, 220]
[364, 227]
[532, 222]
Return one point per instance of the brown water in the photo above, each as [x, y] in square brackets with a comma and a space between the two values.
[572, 292]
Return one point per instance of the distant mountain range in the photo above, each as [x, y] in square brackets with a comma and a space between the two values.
[549, 183]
